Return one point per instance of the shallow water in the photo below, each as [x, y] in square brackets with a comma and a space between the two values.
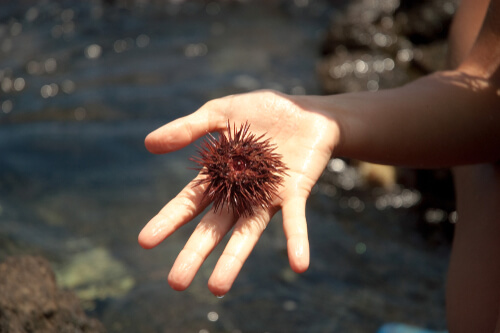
[82, 83]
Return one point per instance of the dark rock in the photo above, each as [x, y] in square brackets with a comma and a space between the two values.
[378, 44]
[30, 300]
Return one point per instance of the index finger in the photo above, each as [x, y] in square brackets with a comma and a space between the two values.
[179, 211]
[183, 131]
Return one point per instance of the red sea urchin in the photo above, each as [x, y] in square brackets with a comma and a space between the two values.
[242, 171]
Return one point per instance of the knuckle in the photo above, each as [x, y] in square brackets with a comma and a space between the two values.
[186, 203]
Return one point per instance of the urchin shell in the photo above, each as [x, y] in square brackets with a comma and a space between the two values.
[241, 171]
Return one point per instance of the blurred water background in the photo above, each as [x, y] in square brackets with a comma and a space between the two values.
[83, 82]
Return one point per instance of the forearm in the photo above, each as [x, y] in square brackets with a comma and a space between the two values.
[440, 120]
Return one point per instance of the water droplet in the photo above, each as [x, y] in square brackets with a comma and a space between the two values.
[120, 45]
[378, 66]
[33, 67]
[387, 22]
[336, 165]
[435, 215]
[80, 113]
[7, 106]
[298, 90]
[213, 316]
[50, 65]
[19, 84]
[68, 86]
[31, 14]
[49, 90]
[68, 28]
[361, 67]
[372, 85]
[67, 15]
[453, 217]
[381, 203]
[290, 305]
[337, 72]
[142, 40]
[6, 84]
[246, 82]
[360, 248]
[449, 8]
[388, 64]
[93, 51]
[355, 204]
[195, 50]
[16, 28]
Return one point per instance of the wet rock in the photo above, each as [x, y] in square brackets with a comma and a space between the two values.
[30, 300]
[377, 44]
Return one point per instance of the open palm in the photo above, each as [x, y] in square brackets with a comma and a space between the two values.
[304, 137]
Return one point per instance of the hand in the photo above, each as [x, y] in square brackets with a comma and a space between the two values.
[304, 137]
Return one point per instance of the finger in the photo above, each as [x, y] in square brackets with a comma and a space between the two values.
[209, 232]
[295, 226]
[180, 210]
[183, 131]
[247, 232]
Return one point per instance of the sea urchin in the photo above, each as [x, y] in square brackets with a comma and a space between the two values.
[241, 171]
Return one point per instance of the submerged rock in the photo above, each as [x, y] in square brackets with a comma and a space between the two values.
[95, 275]
[30, 300]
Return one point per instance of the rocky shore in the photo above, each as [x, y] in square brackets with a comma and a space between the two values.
[30, 300]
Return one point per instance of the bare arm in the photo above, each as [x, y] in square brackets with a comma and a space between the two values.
[444, 119]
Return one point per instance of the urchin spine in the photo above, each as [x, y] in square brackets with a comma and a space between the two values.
[241, 171]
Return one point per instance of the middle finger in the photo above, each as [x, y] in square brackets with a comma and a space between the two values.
[247, 232]
[209, 232]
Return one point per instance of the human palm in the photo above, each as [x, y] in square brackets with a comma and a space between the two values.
[305, 139]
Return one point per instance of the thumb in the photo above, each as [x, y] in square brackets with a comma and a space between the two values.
[183, 131]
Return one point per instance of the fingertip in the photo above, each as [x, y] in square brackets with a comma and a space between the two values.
[225, 272]
[295, 226]
[299, 267]
[168, 138]
[145, 241]
[151, 143]
[154, 232]
[182, 131]
[218, 289]
[176, 284]
[298, 254]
